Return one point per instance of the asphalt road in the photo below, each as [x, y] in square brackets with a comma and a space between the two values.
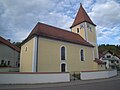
[104, 85]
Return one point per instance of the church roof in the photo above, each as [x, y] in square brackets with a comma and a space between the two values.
[47, 31]
[6, 42]
[81, 16]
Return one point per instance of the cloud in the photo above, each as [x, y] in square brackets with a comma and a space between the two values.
[19, 17]
[106, 15]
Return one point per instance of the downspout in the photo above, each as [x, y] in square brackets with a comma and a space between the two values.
[37, 54]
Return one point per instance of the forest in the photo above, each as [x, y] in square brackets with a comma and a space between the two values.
[114, 48]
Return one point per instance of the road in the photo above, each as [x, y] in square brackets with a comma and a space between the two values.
[114, 85]
[102, 84]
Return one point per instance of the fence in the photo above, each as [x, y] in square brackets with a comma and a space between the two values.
[31, 78]
[75, 75]
[87, 75]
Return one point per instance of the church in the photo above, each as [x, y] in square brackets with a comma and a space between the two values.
[52, 49]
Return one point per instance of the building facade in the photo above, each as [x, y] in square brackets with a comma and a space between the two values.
[112, 61]
[9, 54]
[52, 49]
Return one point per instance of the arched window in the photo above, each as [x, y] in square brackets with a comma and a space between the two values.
[62, 53]
[63, 66]
[82, 55]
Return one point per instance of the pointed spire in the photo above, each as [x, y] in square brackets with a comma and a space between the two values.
[81, 16]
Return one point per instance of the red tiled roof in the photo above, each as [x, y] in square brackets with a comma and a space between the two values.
[52, 32]
[82, 16]
[6, 42]
[101, 54]
[98, 61]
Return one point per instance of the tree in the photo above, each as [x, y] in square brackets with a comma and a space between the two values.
[18, 44]
[114, 48]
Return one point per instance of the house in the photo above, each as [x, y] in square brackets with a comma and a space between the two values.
[52, 49]
[9, 55]
[111, 60]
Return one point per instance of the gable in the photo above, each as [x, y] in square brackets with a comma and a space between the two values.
[109, 54]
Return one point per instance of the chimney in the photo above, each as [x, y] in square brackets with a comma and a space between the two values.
[9, 40]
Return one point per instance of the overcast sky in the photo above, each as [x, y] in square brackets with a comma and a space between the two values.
[18, 17]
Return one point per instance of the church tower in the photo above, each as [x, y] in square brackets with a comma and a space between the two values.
[84, 26]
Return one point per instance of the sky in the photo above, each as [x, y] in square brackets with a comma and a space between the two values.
[19, 17]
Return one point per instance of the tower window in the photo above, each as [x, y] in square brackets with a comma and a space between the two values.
[77, 30]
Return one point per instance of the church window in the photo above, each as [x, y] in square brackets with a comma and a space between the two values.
[62, 53]
[63, 67]
[77, 30]
[82, 55]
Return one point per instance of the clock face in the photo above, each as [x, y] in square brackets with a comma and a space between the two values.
[89, 27]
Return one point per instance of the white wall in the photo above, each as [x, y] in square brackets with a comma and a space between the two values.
[98, 74]
[30, 78]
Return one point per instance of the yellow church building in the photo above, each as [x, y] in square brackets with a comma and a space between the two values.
[52, 49]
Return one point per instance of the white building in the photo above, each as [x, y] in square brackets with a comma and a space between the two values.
[111, 60]
[9, 54]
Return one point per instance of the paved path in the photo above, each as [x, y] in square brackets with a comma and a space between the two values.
[52, 85]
